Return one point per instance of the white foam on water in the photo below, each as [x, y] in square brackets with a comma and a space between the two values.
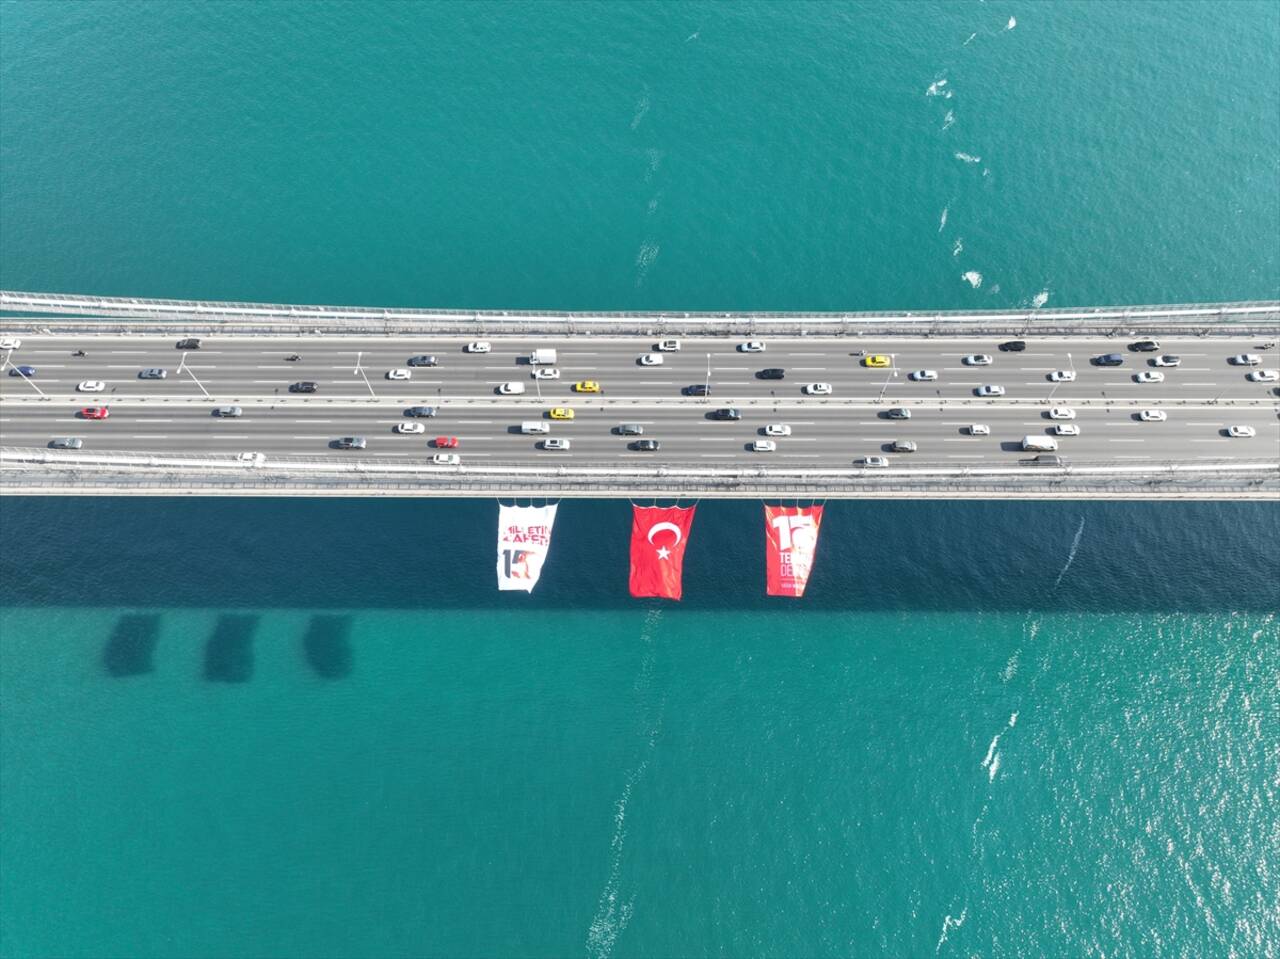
[948, 924]
[1071, 555]
[1013, 22]
[993, 768]
[973, 278]
[653, 204]
[943, 222]
[935, 88]
[968, 158]
[949, 120]
[642, 107]
[972, 37]
[991, 762]
[1011, 667]
[947, 94]
[693, 36]
[644, 259]
[1040, 299]
[994, 290]
[958, 248]
[986, 171]
[655, 161]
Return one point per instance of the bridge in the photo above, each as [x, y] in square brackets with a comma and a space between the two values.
[1119, 431]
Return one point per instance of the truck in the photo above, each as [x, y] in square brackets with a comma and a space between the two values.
[543, 358]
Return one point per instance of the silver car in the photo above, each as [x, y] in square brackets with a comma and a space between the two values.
[152, 373]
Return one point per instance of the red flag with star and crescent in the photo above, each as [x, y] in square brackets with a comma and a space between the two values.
[659, 535]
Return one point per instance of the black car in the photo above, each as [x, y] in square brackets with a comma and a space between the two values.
[304, 387]
[728, 413]
[422, 361]
[420, 411]
[1013, 346]
[772, 373]
[190, 343]
[644, 446]
[903, 446]
[1144, 346]
[630, 429]
[1109, 359]
[698, 389]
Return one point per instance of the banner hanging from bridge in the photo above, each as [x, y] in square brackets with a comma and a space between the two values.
[658, 538]
[524, 536]
[791, 538]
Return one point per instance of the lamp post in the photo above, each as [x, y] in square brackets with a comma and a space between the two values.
[893, 375]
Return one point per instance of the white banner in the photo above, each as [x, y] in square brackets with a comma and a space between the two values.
[524, 536]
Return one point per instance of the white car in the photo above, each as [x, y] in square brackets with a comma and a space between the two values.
[398, 374]
[763, 446]
[979, 429]
[511, 389]
[989, 391]
[1062, 376]
[1152, 416]
[751, 346]
[1062, 413]
[818, 389]
[667, 346]
[1148, 376]
[1066, 429]
[1241, 431]
[92, 386]
[651, 359]
[10, 343]
[1246, 359]
[923, 375]
[977, 359]
[478, 346]
[1263, 376]
[875, 461]
[1167, 360]
[410, 428]
[777, 429]
[555, 444]
[446, 459]
[546, 373]
[251, 459]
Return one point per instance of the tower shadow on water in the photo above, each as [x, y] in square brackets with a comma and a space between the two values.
[228, 654]
[131, 647]
[327, 646]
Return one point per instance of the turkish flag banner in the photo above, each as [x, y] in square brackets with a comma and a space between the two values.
[658, 538]
[791, 536]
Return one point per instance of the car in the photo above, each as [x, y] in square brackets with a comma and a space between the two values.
[898, 413]
[977, 359]
[410, 428]
[445, 442]
[979, 429]
[1013, 346]
[350, 442]
[771, 373]
[877, 361]
[728, 413]
[1245, 359]
[66, 443]
[818, 389]
[152, 373]
[644, 446]
[1062, 376]
[227, 412]
[877, 462]
[1241, 431]
[751, 346]
[306, 386]
[903, 446]
[630, 429]
[651, 359]
[424, 359]
[1109, 359]
[1145, 346]
[251, 459]
[546, 373]
[1152, 416]
[399, 374]
[667, 346]
[554, 443]
[1168, 359]
[764, 446]
[190, 343]
[925, 376]
[777, 429]
[1066, 429]
[989, 391]
[1263, 376]
[561, 413]
[1062, 413]
[1148, 376]
[478, 346]
[446, 459]
[586, 386]
[511, 389]
[10, 343]
[697, 389]
[91, 386]
[420, 411]
[27, 371]
[94, 413]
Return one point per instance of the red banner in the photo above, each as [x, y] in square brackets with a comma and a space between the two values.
[791, 534]
[658, 538]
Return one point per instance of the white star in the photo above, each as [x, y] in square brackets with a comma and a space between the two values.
[663, 552]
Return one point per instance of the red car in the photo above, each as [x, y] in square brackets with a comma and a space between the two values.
[446, 442]
[94, 413]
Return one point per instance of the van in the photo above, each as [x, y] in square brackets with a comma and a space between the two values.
[535, 426]
[543, 358]
[1039, 444]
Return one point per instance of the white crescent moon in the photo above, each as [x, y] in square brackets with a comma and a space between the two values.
[671, 526]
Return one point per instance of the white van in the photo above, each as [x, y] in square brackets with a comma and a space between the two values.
[1039, 444]
[535, 426]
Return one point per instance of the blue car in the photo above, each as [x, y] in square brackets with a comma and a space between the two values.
[22, 371]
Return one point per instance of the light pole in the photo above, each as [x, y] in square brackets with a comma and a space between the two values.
[893, 375]
[707, 385]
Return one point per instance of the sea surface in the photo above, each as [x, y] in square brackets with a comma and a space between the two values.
[294, 728]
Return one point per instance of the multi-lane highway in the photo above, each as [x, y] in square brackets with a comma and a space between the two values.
[1201, 397]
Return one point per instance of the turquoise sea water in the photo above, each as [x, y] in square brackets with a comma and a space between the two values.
[304, 728]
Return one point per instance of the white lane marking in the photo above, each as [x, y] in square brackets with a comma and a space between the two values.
[964, 456]
[1111, 439]
[149, 436]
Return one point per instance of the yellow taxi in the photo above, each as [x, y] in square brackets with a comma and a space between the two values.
[586, 386]
[561, 413]
[877, 361]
